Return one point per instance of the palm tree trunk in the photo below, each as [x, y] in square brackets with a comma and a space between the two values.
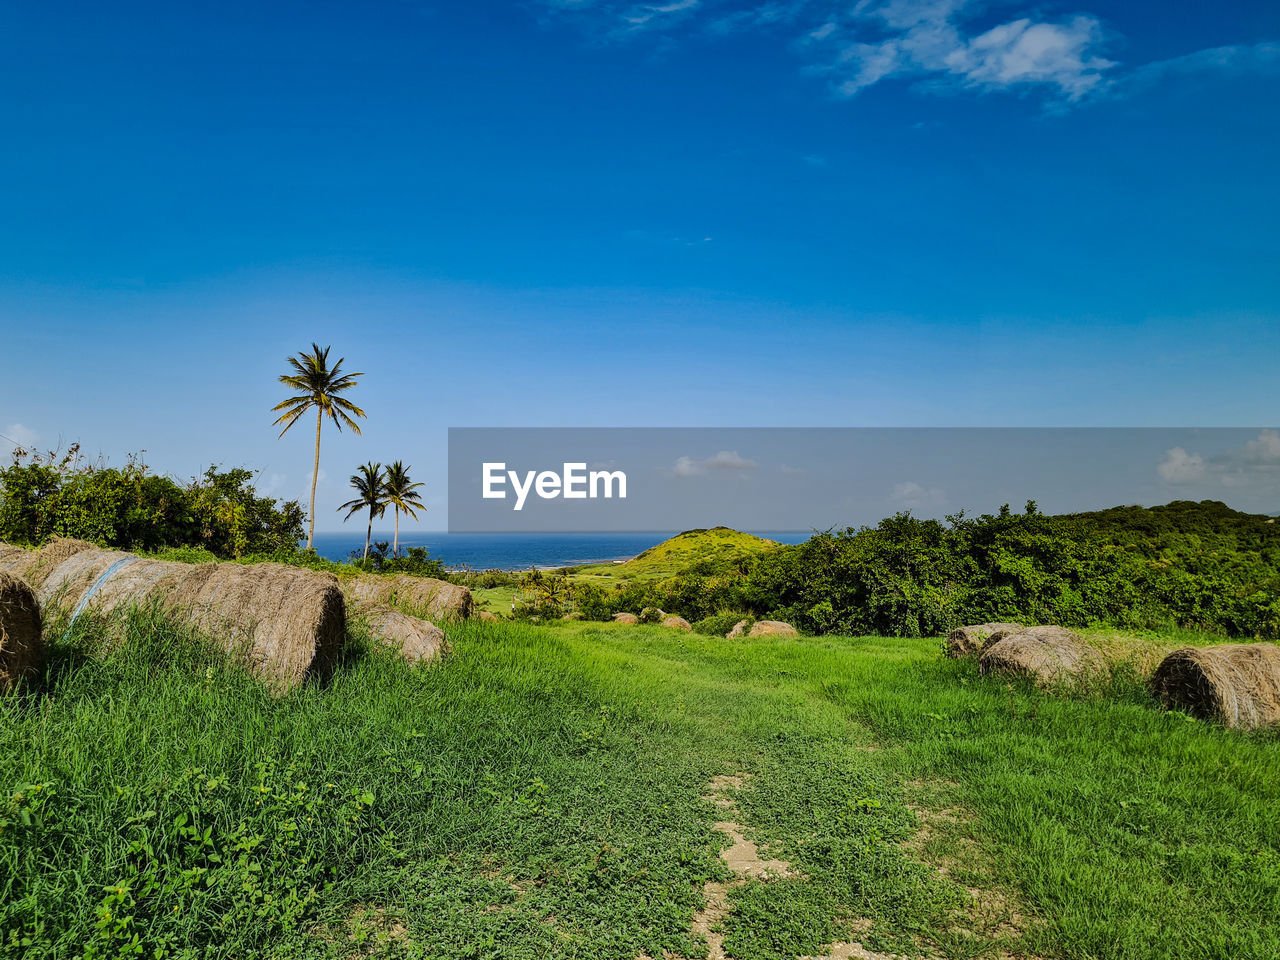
[315, 475]
[368, 534]
[395, 548]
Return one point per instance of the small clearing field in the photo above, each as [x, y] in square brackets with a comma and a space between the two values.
[589, 791]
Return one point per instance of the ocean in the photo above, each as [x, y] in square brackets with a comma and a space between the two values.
[519, 551]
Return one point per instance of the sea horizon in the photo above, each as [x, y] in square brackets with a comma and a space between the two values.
[520, 551]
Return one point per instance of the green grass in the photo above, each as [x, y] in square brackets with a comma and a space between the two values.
[539, 794]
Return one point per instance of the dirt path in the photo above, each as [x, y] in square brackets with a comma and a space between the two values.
[744, 861]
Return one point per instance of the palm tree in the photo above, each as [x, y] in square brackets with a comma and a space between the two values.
[370, 483]
[402, 494]
[318, 385]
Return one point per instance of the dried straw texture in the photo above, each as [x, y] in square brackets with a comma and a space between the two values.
[1046, 654]
[739, 630]
[434, 599]
[969, 641]
[1236, 683]
[676, 623]
[772, 628]
[284, 623]
[484, 616]
[418, 641]
[630, 619]
[21, 644]
[288, 623]
[34, 566]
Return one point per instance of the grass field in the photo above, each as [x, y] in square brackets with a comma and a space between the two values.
[554, 792]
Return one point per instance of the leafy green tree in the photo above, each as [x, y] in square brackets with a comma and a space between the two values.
[319, 386]
[402, 494]
[369, 482]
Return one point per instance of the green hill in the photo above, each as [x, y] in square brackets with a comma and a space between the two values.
[719, 549]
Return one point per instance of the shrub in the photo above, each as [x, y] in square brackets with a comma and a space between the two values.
[130, 508]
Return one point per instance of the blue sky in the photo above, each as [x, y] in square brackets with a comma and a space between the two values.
[566, 212]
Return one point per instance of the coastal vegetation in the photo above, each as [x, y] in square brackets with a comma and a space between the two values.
[1199, 566]
[557, 793]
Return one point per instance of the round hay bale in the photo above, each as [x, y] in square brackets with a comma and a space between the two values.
[484, 616]
[772, 628]
[284, 623]
[52, 554]
[106, 580]
[1046, 654]
[417, 640]
[573, 615]
[739, 630]
[34, 566]
[676, 623]
[15, 560]
[21, 643]
[1235, 683]
[287, 623]
[427, 596]
[630, 619]
[969, 641]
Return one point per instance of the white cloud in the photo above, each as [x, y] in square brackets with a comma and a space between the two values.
[16, 435]
[857, 44]
[1179, 467]
[1265, 449]
[724, 460]
[926, 39]
[914, 495]
[1257, 462]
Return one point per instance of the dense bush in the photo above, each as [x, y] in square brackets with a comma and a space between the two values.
[1201, 566]
[130, 508]
[1195, 565]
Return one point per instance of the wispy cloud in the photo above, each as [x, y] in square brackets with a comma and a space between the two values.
[927, 39]
[724, 460]
[1236, 60]
[936, 44]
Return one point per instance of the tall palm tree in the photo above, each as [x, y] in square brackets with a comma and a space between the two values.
[319, 386]
[402, 494]
[369, 482]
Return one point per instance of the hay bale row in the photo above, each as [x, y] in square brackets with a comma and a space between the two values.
[1237, 684]
[284, 623]
[1045, 654]
[969, 641]
[434, 599]
[21, 642]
